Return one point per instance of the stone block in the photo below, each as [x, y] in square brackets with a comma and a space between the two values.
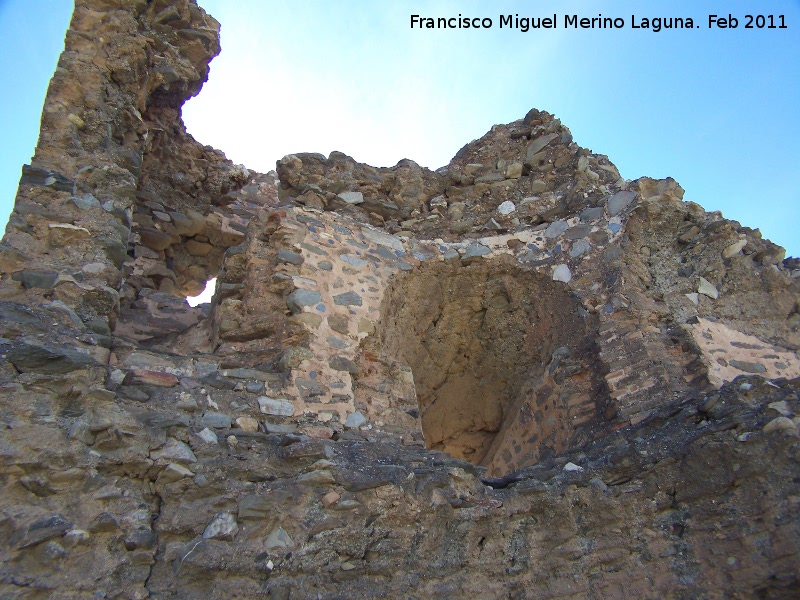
[347, 299]
[301, 298]
[280, 407]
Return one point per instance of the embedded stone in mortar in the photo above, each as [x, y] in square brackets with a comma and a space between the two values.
[729, 353]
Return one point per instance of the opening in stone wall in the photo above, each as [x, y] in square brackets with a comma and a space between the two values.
[503, 363]
[206, 295]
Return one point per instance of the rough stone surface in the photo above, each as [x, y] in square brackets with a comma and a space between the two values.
[301, 298]
[562, 273]
[506, 208]
[555, 229]
[223, 527]
[474, 250]
[707, 289]
[389, 395]
[348, 299]
[352, 197]
[620, 201]
[275, 406]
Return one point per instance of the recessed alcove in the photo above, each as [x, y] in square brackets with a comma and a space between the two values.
[503, 363]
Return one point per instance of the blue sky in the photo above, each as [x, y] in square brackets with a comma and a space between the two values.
[715, 109]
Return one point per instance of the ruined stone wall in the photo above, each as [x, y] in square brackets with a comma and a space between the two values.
[76, 201]
[565, 214]
[517, 376]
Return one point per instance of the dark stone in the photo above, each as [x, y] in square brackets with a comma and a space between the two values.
[254, 387]
[214, 420]
[35, 278]
[29, 357]
[12, 254]
[40, 530]
[226, 290]
[533, 260]
[218, 381]
[310, 221]
[503, 482]
[591, 214]
[130, 160]
[598, 238]
[489, 178]
[348, 299]
[13, 312]
[114, 250]
[134, 393]
[340, 363]
[537, 146]
[235, 250]
[342, 229]
[612, 253]
[256, 374]
[474, 250]
[287, 256]
[307, 449]
[301, 298]
[357, 244]
[85, 202]
[15, 221]
[141, 538]
[159, 420]
[385, 253]
[339, 323]
[263, 506]
[313, 249]
[155, 239]
[532, 115]
[309, 388]
[619, 201]
[103, 523]
[747, 367]
[356, 481]
[335, 342]
[36, 176]
[280, 592]
[578, 232]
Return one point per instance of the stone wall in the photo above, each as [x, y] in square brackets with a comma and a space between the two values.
[585, 232]
[517, 376]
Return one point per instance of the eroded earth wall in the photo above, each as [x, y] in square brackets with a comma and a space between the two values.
[517, 376]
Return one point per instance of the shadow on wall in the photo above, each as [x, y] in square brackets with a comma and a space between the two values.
[503, 360]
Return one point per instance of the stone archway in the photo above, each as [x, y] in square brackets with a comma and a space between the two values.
[503, 363]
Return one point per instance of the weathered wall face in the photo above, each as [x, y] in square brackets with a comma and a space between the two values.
[76, 200]
[117, 189]
[517, 376]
